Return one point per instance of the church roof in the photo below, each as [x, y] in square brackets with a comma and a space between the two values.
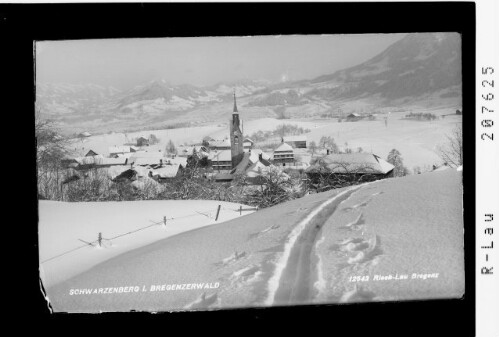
[235, 105]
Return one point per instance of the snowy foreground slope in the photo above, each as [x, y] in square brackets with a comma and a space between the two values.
[395, 239]
[137, 223]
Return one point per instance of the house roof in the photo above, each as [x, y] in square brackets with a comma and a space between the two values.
[299, 138]
[353, 115]
[90, 160]
[121, 149]
[224, 155]
[89, 153]
[219, 143]
[352, 163]
[166, 171]
[255, 154]
[177, 160]
[284, 148]
[146, 154]
[145, 160]
[111, 161]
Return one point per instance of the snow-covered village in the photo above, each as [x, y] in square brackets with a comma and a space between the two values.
[278, 183]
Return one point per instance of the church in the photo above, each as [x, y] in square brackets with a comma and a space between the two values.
[241, 159]
[236, 136]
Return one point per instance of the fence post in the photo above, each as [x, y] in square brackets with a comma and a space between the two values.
[218, 212]
[240, 210]
[99, 239]
[164, 220]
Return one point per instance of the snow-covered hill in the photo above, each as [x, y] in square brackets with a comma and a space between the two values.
[64, 225]
[390, 240]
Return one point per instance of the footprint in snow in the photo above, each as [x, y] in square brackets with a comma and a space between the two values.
[203, 301]
[357, 294]
[357, 224]
[245, 275]
[367, 251]
[257, 234]
[231, 259]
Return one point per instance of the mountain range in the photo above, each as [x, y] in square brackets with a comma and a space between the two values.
[423, 68]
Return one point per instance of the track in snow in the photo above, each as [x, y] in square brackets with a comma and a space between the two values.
[295, 275]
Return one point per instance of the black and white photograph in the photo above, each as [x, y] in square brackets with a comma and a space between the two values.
[205, 173]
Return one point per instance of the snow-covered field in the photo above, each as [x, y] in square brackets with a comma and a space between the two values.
[393, 239]
[62, 225]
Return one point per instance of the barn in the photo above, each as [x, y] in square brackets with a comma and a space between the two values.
[345, 168]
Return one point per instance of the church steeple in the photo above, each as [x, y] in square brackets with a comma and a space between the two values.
[235, 105]
[236, 136]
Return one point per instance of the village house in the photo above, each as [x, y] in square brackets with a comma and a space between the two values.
[353, 117]
[297, 142]
[253, 165]
[142, 141]
[84, 134]
[350, 166]
[283, 155]
[221, 160]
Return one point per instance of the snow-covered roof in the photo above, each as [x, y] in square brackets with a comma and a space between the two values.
[146, 160]
[219, 143]
[110, 161]
[284, 148]
[177, 160]
[166, 171]
[224, 155]
[352, 163]
[121, 149]
[255, 153]
[115, 171]
[90, 160]
[145, 154]
[85, 134]
[300, 138]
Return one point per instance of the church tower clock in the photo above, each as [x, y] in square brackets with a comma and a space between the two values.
[236, 136]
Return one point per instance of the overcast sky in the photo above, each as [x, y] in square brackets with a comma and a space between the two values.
[124, 63]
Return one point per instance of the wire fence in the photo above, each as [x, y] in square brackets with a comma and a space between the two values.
[101, 239]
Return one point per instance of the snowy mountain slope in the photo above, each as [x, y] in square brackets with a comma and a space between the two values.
[423, 69]
[415, 65]
[300, 252]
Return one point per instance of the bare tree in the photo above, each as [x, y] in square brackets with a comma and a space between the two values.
[395, 158]
[452, 151]
[51, 148]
